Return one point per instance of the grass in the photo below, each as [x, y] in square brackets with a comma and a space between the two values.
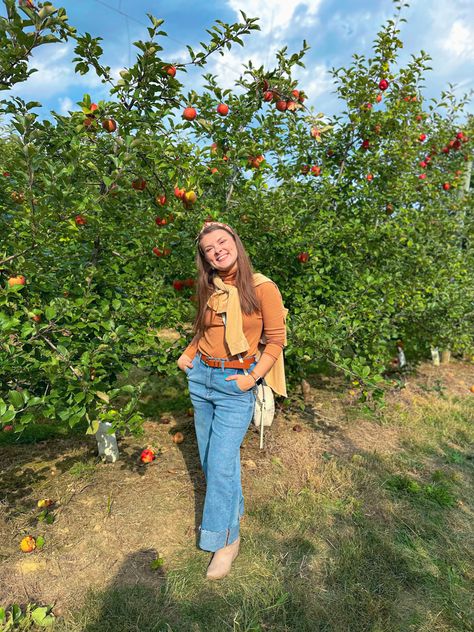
[376, 542]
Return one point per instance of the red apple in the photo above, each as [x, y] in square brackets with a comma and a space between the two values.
[161, 221]
[6, 174]
[178, 285]
[423, 164]
[281, 105]
[214, 170]
[179, 193]
[303, 257]
[291, 106]
[189, 114]
[268, 95]
[422, 137]
[139, 184]
[28, 544]
[109, 125]
[80, 220]
[93, 107]
[370, 177]
[422, 176]
[446, 186]
[365, 144]
[383, 84]
[445, 150]
[8, 428]
[460, 135]
[378, 98]
[160, 199]
[316, 170]
[147, 456]
[18, 280]
[170, 70]
[223, 109]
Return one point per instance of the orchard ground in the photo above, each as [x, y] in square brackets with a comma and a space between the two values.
[358, 522]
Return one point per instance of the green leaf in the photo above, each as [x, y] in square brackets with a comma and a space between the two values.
[16, 398]
[42, 617]
[50, 312]
[93, 428]
[103, 396]
[40, 542]
[156, 564]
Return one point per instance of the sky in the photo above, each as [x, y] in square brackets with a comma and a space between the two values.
[334, 29]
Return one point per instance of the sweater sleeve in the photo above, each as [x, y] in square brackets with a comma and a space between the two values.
[273, 315]
[192, 348]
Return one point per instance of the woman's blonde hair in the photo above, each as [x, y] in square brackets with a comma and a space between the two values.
[205, 285]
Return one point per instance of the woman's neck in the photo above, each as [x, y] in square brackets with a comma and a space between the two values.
[228, 276]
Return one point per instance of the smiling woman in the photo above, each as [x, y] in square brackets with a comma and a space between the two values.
[223, 364]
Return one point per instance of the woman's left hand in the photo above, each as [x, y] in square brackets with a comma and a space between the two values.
[244, 382]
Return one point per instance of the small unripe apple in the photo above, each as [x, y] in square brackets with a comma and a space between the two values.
[281, 105]
[189, 114]
[178, 437]
[170, 70]
[223, 109]
[109, 125]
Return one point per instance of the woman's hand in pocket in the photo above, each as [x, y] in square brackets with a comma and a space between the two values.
[244, 382]
[185, 362]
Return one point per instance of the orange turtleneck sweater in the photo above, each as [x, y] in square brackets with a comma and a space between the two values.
[269, 320]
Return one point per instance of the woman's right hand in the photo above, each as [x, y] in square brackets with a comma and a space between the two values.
[185, 362]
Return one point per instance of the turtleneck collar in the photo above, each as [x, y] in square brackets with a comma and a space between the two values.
[228, 276]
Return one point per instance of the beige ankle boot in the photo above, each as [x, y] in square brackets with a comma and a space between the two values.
[222, 559]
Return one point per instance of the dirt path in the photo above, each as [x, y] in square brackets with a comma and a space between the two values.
[105, 513]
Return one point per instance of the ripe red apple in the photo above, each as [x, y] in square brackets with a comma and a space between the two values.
[160, 199]
[80, 220]
[378, 98]
[281, 105]
[423, 164]
[268, 95]
[189, 114]
[170, 70]
[139, 184]
[422, 137]
[368, 106]
[18, 280]
[291, 106]
[6, 174]
[370, 177]
[147, 456]
[36, 318]
[214, 170]
[8, 428]
[383, 84]
[93, 107]
[179, 193]
[316, 170]
[365, 144]
[223, 109]
[456, 144]
[445, 150]
[446, 186]
[178, 285]
[161, 221]
[303, 257]
[460, 135]
[295, 94]
[109, 125]
[422, 176]
[178, 437]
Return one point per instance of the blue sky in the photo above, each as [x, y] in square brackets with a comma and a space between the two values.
[335, 29]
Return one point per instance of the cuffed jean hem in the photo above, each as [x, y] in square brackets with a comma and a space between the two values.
[215, 540]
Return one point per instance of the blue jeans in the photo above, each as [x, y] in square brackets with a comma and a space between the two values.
[222, 414]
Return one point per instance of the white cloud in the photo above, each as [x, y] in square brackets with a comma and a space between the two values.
[459, 41]
[66, 105]
[277, 16]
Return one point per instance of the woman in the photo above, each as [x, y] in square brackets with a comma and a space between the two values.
[236, 307]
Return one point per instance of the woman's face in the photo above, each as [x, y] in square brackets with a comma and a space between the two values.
[219, 249]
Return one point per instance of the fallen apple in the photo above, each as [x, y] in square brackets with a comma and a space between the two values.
[297, 428]
[28, 544]
[178, 437]
[147, 455]
[45, 502]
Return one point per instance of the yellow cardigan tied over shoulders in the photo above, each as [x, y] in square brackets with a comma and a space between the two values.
[225, 299]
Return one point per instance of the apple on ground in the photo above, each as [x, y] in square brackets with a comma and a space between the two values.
[18, 280]
[189, 114]
[28, 544]
[223, 109]
[297, 428]
[178, 437]
[147, 455]
[45, 502]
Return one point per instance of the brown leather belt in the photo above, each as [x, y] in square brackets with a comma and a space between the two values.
[229, 364]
